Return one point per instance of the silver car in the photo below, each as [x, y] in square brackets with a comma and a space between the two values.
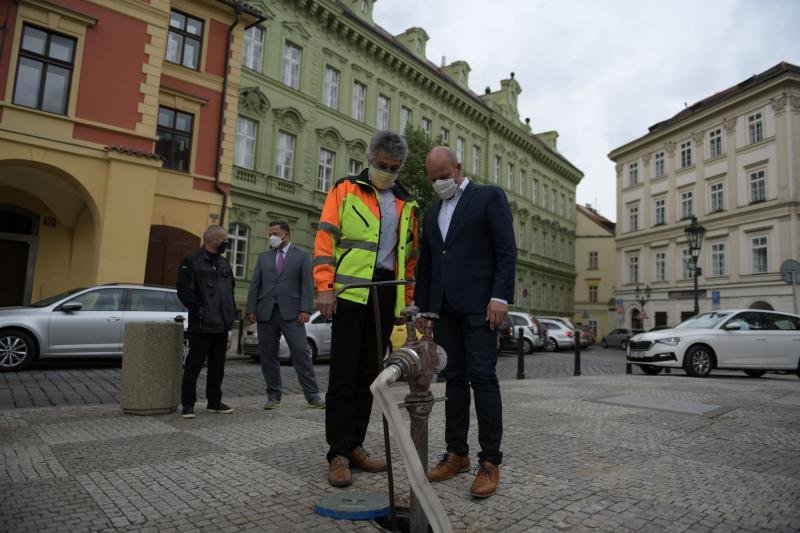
[559, 335]
[318, 340]
[530, 330]
[86, 322]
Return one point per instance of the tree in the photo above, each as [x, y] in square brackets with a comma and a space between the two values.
[412, 176]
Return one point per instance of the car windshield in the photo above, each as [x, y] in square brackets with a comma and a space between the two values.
[53, 299]
[704, 321]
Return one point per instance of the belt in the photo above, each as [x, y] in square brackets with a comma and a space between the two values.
[381, 274]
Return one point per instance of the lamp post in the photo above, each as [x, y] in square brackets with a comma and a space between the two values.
[642, 296]
[694, 235]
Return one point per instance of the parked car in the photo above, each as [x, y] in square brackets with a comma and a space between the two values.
[83, 322]
[619, 337]
[559, 335]
[531, 338]
[564, 320]
[568, 324]
[587, 335]
[738, 339]
[318, 340]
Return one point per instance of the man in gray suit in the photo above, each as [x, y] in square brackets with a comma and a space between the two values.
[280, 299]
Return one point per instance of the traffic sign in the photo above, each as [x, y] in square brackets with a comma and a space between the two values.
[790, 271]
[715, 300]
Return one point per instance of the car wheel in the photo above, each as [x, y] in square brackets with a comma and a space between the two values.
[755, 373]
[651, 370]
[527, 346]
[698, 361]
[623, 344]
[17, 350]
[551, 345]
[311, 351]
[604, 344]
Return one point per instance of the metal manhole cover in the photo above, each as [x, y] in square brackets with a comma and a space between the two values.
[353, 505]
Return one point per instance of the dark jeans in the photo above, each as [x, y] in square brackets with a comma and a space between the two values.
[202, 346]
[354, 366]
[471, 361]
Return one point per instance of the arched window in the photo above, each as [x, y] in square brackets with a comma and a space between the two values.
[237, 253]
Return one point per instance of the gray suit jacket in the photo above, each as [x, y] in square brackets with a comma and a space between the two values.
[292, 289]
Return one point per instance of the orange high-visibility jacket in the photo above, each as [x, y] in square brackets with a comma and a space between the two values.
[346, 246]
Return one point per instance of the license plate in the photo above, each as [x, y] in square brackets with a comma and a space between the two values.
[638, 354]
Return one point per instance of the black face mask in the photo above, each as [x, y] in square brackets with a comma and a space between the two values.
[222, 247]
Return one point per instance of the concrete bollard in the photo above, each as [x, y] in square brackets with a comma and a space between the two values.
[151, 368]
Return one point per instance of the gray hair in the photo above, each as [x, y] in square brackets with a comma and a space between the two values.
[388, 142]
[212, 231]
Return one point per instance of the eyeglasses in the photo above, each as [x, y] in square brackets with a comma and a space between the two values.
[388, 168]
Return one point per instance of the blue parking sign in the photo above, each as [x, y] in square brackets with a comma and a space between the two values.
[714, 297]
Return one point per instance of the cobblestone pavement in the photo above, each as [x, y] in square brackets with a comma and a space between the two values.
[49, 384]
[570, 463]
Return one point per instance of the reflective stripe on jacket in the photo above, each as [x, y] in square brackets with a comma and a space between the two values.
[346, 246]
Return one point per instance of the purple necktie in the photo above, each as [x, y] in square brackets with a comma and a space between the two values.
[279, 262]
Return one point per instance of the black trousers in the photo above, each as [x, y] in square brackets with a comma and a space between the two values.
[202, 346]
[354, 366]
[471, 361]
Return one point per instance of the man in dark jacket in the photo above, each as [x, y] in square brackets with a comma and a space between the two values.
[205, 286]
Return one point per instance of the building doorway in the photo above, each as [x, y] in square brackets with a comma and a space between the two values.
[636, 319]
[167, 247]
[19, 230]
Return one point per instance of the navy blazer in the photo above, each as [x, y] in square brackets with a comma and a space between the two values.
[477, 259]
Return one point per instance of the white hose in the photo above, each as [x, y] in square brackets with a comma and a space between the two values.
[419, 482]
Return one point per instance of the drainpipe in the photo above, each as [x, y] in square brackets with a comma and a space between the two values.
[239, 8]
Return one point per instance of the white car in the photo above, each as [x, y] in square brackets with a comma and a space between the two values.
[318, 340]
[739, 339]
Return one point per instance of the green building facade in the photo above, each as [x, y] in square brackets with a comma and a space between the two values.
[320, 77]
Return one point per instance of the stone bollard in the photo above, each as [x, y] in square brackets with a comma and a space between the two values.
[151, 368]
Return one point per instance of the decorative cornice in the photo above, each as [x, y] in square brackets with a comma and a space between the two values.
[296, 29]
[670, 145]
[646, 158]
[779, 104]
[329, 136]
[290, 118]
[252, 100]
[698, 137]
[730, 125]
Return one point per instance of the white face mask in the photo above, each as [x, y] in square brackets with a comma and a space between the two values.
[275, 241]
[446, 189]
[382, 179]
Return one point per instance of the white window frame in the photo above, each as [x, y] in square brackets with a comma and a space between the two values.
[510, 176]
[445, 136]
[253, 48]
[238, 236]
[660, 264]
[717, 255]
[535, 191]
[755, 127]
[686, 154]
[292, 57]
[359, 101]
[325, 166]
[633, 173]
[498, 163]
[716, 196]
[757, 185]
[406, 115]
[759, 249]
[594, 260]
[660, 211]
[461, 145]
[633, 218]
[523, 178]
[522, 235]
[659, 165]
[384, 108]
[284, 155]
[244, 153]
[633, 269]
[715, 143]
[563, 205]
[686, 204]
[354, 167]
[534, 240]
[426, 126]
[686, 263]
[330, 88]
[546, 196]
[593, 294]
[476, 158]
[545, 238]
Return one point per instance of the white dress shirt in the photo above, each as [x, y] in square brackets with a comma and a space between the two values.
[449, 207]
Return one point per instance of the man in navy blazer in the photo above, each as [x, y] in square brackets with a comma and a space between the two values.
[466, 275]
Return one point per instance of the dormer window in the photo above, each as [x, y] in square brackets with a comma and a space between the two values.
[419, 46]
[364, 6]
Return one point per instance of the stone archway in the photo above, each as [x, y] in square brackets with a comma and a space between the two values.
[762, 305]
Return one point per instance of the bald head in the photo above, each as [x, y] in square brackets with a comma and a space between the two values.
[442, 163]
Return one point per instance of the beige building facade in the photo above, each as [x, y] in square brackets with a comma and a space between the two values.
[733, 161]
[595, 267]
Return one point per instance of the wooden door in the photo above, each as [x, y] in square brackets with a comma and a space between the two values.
[15, 267]
[168, 246]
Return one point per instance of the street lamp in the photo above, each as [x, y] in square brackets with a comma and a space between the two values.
[694, 234]
[642, 296]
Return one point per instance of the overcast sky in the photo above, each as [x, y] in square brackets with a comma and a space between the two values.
[602, 72]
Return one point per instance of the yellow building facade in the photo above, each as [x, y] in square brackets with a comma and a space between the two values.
[595, 265]
[110, 138]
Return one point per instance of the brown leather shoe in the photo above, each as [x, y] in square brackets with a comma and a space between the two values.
[449, 465]
[339, 472]
[486, 479]
[360, 459]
